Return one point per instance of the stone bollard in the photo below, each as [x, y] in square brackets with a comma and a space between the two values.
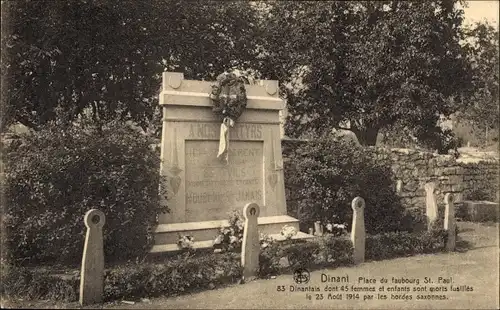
[358, 230]
[449, 221]
[92, 273]
[431, 204]
[399, 187]
[318, 229]
[250, 249]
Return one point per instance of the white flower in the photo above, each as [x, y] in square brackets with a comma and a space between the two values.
[240, 225]
[288, 231]
[329, 227]
[218, 240]
[233, 239]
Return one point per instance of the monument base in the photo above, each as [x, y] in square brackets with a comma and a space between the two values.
[204, 233]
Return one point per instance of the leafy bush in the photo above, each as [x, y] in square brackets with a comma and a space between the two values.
[269, 259]
[55, 175]
[24, 283]
[325, 175]
[326, 251]
[414, 220]
[172, 277]
[397, 244]
[479, 194]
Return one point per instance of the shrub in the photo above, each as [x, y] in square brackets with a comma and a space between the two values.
[269, 260]
[414, 220]
[184, 274]
[479, 194]
[397, 244]
[24, 283]
[54, 176]
[325, 251]
[325, 175]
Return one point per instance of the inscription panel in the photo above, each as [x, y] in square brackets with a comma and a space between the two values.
[213, 187]
[240, 131]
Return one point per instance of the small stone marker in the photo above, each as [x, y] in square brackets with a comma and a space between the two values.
[318, 229]
[250, 249]
[358, 230]
[92, 273]
[431, 204]
[449, 221]
[399, 187]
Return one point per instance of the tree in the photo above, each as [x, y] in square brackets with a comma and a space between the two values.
[367, 64]
[60, 58]
[482, 48]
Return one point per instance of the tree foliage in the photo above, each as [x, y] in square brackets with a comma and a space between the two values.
[60, 58]
[483, 52]
[368, 64]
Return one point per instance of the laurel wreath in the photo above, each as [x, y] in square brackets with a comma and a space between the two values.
[228, 96]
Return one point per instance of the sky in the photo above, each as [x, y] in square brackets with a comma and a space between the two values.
[482, 10]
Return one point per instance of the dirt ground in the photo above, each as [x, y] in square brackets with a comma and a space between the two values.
[474, 271]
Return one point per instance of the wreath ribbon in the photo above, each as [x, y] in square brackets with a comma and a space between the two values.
[228, 107]
[224, 138]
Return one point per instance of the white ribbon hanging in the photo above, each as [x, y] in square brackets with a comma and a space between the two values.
[224, 138]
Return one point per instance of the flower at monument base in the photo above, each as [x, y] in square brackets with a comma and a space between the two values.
[185, 242]
[225, 231]
[218, 239]
[336, 229]
[233, 239]
[288, 231]
[265, 241]
[240, 224]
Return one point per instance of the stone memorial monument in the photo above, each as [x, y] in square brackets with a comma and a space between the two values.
[214, 165]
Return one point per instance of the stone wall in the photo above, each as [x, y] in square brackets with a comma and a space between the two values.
[467, 179]
[481, 180]
[412, 169]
